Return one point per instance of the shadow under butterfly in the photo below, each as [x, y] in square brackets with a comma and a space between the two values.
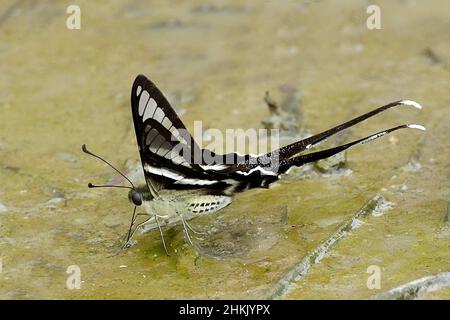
[184, 181]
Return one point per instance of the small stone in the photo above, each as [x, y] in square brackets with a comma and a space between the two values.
[58, 199]
[56, 194]
[56, 202]
[3, 207]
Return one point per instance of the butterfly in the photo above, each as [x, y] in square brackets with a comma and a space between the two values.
[184, 181]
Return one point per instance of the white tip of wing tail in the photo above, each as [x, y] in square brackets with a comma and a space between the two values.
[411, 103]
[417, 126]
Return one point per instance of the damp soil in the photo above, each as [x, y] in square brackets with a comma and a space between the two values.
[61, 88]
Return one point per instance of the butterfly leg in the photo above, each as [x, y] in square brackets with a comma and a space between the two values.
[131, 234]
[193, 230]
[128, 234]
[133, 219]
[186, 229]
[140, 224]
[161, 234]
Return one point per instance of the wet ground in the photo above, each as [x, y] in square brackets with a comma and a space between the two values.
[61, 88]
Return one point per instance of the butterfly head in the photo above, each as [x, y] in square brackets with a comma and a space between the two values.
[135, 197]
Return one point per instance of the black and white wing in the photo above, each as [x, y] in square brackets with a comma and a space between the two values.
[172, 159]
[170, 156]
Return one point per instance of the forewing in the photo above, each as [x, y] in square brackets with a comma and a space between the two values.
[166, 148]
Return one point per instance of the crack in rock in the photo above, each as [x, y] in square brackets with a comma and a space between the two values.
[285, 284]
[417, 288]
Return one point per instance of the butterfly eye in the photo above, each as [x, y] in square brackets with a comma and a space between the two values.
[135, 197]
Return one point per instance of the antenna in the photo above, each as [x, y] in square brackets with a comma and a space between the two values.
[90, 185]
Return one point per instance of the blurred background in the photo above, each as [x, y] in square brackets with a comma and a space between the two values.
[60, 88]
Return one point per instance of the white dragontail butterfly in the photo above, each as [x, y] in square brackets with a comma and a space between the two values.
[181, 185]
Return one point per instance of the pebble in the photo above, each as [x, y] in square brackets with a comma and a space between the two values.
[58, 199]
[55, 202]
